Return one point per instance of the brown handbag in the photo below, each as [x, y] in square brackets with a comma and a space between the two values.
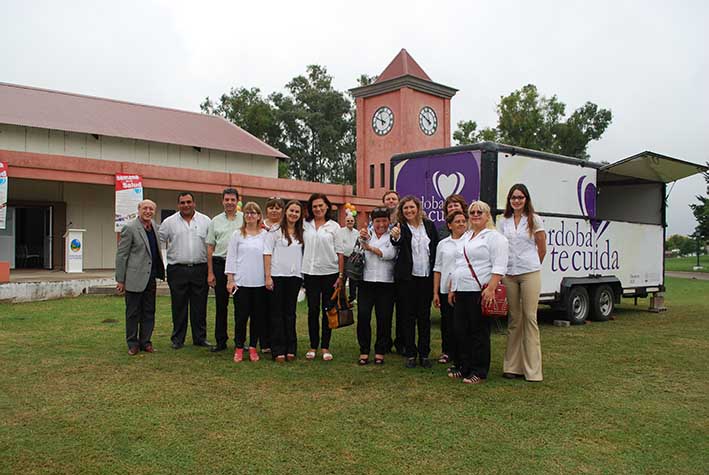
[499, 306]
[339, 310]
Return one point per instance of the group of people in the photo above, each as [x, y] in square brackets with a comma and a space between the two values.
[263, 261]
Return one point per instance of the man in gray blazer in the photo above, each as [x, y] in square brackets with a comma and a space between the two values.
[138, 264]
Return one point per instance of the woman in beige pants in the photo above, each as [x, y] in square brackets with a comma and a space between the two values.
[527, 240]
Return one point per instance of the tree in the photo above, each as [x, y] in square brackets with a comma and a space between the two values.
[701, 213]
[312, 123]
[527, 119]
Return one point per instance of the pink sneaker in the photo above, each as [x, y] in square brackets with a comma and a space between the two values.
[253, 354]
[238, 355]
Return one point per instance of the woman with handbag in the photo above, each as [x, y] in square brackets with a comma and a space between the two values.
[323, 271]
[525, 232]
[376, 288]
[282, 260]
[416, 238]
[480, 264]
[446, 253]
[245, 280]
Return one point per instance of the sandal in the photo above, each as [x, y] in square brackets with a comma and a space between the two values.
[444, 359]
[326, 355]
[290, 357]
[379, 359]
[361, 362]
[473, 379]
[454, 372]
[280, 359]
[310, 355]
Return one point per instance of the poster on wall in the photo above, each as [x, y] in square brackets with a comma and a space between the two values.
[3, 194]
[129, 192]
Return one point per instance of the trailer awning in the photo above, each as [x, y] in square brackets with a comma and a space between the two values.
[652, 166]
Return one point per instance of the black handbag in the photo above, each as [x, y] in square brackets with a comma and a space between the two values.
[354, 263]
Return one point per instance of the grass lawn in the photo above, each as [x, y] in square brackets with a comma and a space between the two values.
[627, 396]
[686, 264]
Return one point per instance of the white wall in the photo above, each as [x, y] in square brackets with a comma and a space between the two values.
[31, 139]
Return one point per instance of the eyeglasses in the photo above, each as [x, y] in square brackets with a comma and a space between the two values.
[517, 198]
[476, 212]
[251, 213]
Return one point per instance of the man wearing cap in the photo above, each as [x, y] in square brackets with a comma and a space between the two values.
[138, 264]
[219, 233]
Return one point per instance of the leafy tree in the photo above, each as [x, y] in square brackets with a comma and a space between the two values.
[527, 119]
[701, 213]
[312, 123]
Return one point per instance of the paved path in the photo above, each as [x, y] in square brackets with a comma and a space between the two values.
[688, 275]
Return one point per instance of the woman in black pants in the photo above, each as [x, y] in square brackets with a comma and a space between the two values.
[481, 260]
[323, 270]
[417, 238]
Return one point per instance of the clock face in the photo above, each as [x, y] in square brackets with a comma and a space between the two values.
[382, 121]
[428, 121]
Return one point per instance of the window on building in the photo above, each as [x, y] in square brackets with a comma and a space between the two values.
[371, 176]
[381, 173]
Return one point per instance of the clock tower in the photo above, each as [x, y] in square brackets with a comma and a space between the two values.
[402, 111]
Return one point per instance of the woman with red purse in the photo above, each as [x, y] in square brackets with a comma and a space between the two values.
[481, 262]
[525, 232]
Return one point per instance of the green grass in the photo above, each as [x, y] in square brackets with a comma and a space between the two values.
[686, 264]
[627, 396]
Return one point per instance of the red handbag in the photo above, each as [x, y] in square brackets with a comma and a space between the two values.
[499, 306]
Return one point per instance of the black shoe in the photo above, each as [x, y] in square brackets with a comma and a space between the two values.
[410, 362]
[177, 346]
[512, 376]
[426, 363]
[218, 348]
[203, 343]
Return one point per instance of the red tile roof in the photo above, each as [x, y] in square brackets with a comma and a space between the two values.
[402, 65]
[47, 109]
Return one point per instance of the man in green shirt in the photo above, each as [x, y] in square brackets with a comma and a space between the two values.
[220, 230]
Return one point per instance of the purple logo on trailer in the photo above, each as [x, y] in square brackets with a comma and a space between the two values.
[433, 179]
[587, 204]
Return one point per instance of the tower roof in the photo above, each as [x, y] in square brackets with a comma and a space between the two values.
[402, 65]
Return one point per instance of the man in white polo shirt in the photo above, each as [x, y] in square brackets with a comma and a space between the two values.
[221, 228]
[185, 234]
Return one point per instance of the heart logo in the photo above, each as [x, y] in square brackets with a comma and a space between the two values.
[447, 185]
[587, 203]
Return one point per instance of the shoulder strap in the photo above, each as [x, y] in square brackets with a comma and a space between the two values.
[470, 266]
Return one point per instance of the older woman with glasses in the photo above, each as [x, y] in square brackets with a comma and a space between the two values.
[481, 260]
[525, 232]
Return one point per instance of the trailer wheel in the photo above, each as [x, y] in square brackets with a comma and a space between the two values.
[602, 303]
[577, 305]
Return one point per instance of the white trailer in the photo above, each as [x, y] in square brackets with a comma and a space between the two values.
[605, 223]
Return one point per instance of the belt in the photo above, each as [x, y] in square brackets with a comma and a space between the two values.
[191, 265]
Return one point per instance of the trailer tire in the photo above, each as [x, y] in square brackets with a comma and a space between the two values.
[602, 303]
[578, 305]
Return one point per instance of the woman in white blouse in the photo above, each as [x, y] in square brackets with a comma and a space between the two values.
[446, 254]
[245, 280]
[282, 260]
[525, 232]
[377, 287]
[323, 270]
[481, 260]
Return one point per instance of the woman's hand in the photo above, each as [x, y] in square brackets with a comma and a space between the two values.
[436, 299]
[231, 287]
[395, 232]
[488, 295]
[339, 282]
[269, 283]
[364, 234]
[451, 298]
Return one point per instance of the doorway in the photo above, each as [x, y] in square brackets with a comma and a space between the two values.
[33, 237]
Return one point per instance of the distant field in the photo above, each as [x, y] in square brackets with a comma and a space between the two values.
[626, 396]
[686, 264]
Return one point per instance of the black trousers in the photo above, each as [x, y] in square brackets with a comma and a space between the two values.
[282, 303]
[414, 298]
[188, 290]
[140, 316]
[380, 297]
[448, 343]
[318, 290]
[473, 335]
[353, 286]
[221, 299]
[249, 305]
[398, 341]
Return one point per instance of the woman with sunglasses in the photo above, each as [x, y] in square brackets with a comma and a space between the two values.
[525, 232]
[481, 260]
[323, 270]
[282, 260]
[416, 238]
[245, 280]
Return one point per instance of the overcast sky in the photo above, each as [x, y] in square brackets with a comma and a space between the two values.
[647, 61]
